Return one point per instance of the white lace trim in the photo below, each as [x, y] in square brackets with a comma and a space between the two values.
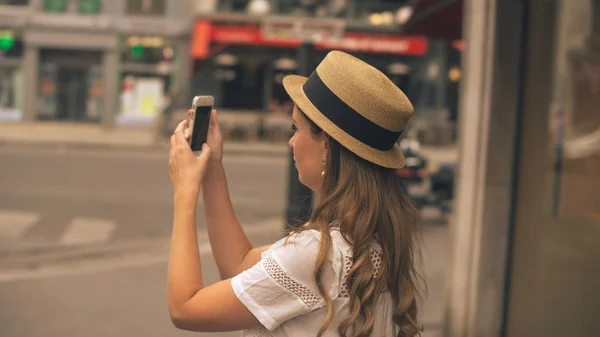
[257, 332]
[375, 259]
[309, 297]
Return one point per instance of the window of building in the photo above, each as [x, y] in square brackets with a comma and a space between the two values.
[320, 8]
[233, 5]
[11, 93]
[146, 7]
[56, 6]
[14, 2]
[243, 86]
[90, 6]
[381, 12]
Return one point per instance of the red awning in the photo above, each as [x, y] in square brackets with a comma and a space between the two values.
[436, 19]
[206, 32]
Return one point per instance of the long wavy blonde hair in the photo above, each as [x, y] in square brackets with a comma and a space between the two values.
[369, 203]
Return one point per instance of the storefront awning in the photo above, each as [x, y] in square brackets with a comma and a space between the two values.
[206, 32]
[440, 19]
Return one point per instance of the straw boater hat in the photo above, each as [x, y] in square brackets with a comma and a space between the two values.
[355, 104]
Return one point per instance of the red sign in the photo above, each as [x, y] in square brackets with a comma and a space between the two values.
[235, 34]
[352, 41]
[378, 43]
[201, 43]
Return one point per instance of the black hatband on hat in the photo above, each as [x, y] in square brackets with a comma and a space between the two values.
[346, 118]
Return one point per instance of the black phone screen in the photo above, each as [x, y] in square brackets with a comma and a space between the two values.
[200, 128]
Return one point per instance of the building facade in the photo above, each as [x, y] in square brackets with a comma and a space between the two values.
[525, 238]
[97, 61]
[241, 50]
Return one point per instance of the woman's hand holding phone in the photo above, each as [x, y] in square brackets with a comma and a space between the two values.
[186, 169]
[214, 139]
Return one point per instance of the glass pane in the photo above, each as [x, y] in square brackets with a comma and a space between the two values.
[90, 6]
[574, 118]
[14, 2]
[47, 83]
[335, 8]
[242, 85]
[9, 90]
[556, 264]
[56, 6]
[148, 7]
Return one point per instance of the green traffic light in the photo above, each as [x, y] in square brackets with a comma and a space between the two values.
[6, 42]
[137, 50]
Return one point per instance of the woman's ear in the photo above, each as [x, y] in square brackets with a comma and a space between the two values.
[325, 142]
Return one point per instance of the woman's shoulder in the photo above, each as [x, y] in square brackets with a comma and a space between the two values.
[302, 248]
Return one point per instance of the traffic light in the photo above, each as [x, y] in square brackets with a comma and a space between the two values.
[7, 40]
[137, 50]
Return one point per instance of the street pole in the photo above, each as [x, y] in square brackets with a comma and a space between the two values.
[299, 205]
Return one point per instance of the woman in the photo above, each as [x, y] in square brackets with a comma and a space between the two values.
[351, 270]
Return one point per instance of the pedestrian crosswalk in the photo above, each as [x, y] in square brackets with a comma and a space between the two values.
[15, 224]
[24, 227]
[87, 230]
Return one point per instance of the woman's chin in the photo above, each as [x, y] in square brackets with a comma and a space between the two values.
[306, 183]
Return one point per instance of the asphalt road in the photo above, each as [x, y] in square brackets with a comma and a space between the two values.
[84, 238]
[67, 198]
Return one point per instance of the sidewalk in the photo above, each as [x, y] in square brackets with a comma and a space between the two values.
[91, 136]
[80, 135]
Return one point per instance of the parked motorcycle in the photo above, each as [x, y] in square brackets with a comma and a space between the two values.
[442, 187]
[415, 179]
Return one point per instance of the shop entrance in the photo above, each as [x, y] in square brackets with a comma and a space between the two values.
[70, 85]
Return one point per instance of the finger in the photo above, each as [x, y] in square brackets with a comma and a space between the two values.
[214, 127]
[214, 120]
[181, 126]
[204, 154]
[173, 142]
[179, 137]
[190, 113]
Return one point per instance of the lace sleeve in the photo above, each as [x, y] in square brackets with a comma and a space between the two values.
[282, 285]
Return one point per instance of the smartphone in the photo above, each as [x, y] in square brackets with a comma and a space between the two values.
[200, 120]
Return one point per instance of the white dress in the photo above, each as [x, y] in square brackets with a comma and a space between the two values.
[282, 293]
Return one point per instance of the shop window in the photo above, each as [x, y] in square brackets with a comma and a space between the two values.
[70, 85]
[146, 7]
[574, 119]
[56, 6]
[280, 101]
[243, 87]
[320, 8]
[90, 6]
[14, 2]
[11, 97]
[233, 5]
[142, 97]
[382, 12]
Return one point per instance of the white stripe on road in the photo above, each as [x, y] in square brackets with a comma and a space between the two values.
[14, 224]
[87, 230]
[137, 259]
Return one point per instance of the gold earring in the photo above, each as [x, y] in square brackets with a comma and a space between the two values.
[324, 162]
